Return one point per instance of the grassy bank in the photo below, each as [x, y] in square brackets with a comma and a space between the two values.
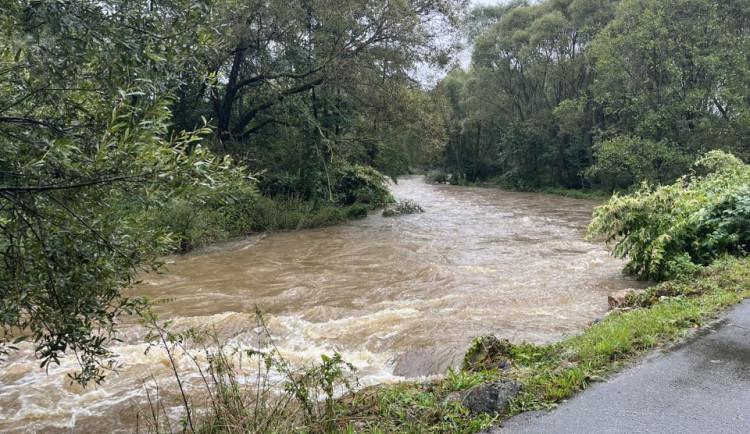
[197, 224]
[546, 374]
[440, 177]
[550, 373]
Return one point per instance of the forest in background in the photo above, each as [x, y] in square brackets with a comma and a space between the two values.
[599, 94]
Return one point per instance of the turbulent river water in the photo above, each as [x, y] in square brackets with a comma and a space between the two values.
[397, 297]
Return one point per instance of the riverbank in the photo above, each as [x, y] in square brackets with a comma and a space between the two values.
[198, 225]
[441, 177]
[549, 374]
[498, 379]
[701, 385]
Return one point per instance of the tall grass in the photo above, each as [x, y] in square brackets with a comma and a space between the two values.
[196, 224]
[243, 390]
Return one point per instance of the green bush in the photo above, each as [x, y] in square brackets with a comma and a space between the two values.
[670, 230]
[627, 160]
[222, 216]
[361, 185]
[403, 207]
[436, 176]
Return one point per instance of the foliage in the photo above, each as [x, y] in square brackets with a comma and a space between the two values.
[221, 216]
[403, 207]
[626, 160]
[299, 87]
[664, 230]
[675, 70]
[85, 131]
[360, 185]
[436, 176]
[522, 109]
[602, 94]
[486, 353]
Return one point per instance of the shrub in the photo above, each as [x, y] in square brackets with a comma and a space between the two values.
[436, 176]
[627, 160]
[403, 207]
[669, 230]
[361, 185]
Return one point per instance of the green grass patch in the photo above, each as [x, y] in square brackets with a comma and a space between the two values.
[194, 225]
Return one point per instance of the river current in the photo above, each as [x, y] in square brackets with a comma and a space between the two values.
[397, 297]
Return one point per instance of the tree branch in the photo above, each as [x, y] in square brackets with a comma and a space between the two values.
[250, 115]
[16, 120]
[43, 188]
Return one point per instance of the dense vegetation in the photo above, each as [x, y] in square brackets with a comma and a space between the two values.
[603, 94]
[672, 230]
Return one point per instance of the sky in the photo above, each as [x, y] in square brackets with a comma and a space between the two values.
[487, 2]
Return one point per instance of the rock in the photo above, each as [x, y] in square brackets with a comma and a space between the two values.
[490, 397]
[424, 361]
[614, 300]
[487, 352]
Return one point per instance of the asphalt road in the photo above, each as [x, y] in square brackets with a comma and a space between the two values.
[699, 386]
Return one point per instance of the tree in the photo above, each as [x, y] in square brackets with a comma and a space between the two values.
[676, 70]
[273, 51]
[302, 90]
[84, 128]
[526, 107]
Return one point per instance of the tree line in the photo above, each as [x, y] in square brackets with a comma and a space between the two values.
[598, 93]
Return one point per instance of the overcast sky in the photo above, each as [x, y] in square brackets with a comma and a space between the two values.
[486, 2]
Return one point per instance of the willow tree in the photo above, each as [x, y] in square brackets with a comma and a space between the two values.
[526, 96]
[84, 129]
[298, 88]
[675, 73]
[274, 50]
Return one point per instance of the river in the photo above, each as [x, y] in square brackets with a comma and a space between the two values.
[396, 297]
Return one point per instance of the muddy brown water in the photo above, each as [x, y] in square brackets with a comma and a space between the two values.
[397, 297]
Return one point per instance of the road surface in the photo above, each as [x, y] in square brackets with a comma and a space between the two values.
[699, 386]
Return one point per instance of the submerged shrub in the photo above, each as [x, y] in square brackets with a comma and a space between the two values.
[403, 207]
[487, 352]
[244, 390]
[670, 230]
[436, 176]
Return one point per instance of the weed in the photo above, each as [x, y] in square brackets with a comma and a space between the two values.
[278, 398]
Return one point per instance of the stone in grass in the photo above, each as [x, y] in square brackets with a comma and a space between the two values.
[490, 397]
[614, 300]
[487, 352]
